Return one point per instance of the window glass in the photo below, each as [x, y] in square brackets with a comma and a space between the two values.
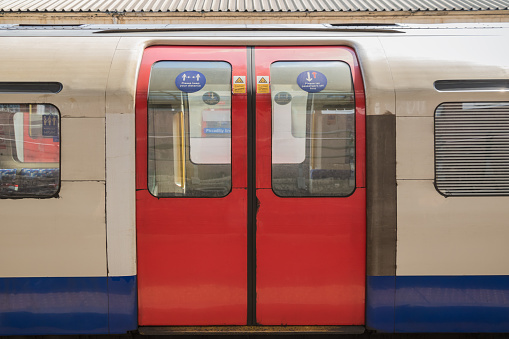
[313, 129]
[472, 148]
[29, 150]
[189, 129]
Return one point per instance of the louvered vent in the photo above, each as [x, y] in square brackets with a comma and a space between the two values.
[472, 148]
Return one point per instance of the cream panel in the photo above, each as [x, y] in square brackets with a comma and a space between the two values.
[418, 61]
[121, 89]
[415, 149]
[81, 64]
[120, 193]
[450, 236]
[377, 77]
[83, 149]
[59, 237]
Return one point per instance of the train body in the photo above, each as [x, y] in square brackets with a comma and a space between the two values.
[254, 178]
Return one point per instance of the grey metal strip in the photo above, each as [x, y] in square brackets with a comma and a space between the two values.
[381, 195]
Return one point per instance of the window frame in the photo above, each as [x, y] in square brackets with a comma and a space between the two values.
[354, 129]
[471, 193]
[188, 130]
[15, 159]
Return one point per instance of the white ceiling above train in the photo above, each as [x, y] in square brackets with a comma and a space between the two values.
[249, 5]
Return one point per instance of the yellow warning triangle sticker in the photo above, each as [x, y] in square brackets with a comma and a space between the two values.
[239, 81]
[262, 81]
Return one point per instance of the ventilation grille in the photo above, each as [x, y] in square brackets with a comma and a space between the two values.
[472, 148]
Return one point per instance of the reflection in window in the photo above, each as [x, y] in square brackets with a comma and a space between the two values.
[189, 130]
[29, 150]
[313, 130]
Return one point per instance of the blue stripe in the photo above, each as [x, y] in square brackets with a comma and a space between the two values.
[447, 304]
[43, 306]
[31, 306]
[123, 307]
[467, 304]
[380, 303]
[77, 305]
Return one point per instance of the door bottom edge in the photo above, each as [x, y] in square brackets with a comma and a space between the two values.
[235, 330]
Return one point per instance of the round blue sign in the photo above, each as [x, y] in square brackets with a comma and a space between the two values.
[190, 81]
[312, 81]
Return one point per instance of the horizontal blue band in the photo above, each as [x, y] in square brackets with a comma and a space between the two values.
[447, 304]
[467, 304]
[100, 305]
[77, 305]
[123, 306]
[380, 303]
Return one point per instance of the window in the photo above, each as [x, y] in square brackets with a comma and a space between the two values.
[472, 148]
[313, 129]
[29, 150]
[189, 129]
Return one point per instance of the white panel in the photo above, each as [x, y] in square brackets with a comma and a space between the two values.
[450, 236]
[210, 150]
[287, 149]
[56, 237]
[120, 188]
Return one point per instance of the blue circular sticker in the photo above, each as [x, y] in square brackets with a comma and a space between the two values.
[312, 81]
[190, 81]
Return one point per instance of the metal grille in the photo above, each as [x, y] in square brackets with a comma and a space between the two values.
[248, 5]
[472, 148]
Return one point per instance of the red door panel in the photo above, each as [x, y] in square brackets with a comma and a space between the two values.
[192, 252]
[310, 251]
[192, 261]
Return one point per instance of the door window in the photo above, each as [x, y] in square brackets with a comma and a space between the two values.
[313, 129]
[189, 129]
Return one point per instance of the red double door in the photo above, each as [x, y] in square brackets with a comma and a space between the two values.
[250, 186]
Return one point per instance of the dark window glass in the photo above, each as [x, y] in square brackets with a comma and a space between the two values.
[472, 85]
[29, 150]
[30, 87]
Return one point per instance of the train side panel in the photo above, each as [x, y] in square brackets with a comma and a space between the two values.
[54, 276]
[452, 255]
[434, 263]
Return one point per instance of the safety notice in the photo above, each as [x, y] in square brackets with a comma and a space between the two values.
[262, 84]
[239, 84]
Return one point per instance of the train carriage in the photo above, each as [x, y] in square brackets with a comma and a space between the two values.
[247, 179]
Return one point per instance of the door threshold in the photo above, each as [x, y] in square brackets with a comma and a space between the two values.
[236, 330]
